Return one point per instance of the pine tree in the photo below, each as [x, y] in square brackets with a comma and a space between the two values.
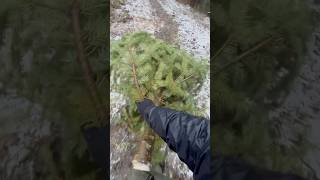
[259, 47]
[142, 66]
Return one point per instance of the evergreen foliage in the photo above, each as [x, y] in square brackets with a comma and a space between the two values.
[164, 74]
[259, 47]
[54, 79]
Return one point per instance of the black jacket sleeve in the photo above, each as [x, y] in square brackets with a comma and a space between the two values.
[187, 135]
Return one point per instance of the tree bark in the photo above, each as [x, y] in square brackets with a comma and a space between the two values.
[142, 158]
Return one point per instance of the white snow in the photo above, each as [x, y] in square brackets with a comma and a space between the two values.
[194, 37]
[117, 101]
[141, 19]
[194, 28]
[139, 8]
[302, 103]
[173, 161]
[203, 97]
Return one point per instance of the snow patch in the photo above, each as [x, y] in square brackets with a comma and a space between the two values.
[117, 101]
[140, 19]
[139, 8]
[194, 31]
[203, 97]
[194, 37]
[173, 163]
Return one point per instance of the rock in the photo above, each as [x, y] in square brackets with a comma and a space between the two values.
[23, 129]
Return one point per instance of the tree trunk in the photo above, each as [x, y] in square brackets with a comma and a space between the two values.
[84, 63]
[142, 158]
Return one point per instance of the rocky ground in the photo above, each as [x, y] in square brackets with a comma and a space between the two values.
[23, 129]
[302, 103]
[176, 24]
[23, 125]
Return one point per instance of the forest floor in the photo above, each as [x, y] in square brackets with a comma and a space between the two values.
[176, 24]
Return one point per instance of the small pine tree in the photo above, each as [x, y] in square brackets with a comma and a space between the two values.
[142, 66]
[163, 73]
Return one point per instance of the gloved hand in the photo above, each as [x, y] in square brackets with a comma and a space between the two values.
[144, 107]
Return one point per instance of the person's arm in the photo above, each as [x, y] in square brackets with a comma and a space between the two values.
[187, 135]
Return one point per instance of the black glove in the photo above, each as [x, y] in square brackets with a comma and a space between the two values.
[144, 107]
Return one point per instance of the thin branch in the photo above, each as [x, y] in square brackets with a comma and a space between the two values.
[222, 48]
[179, 77]
[92, 50]
[134, 71]
[246, 53]
[102, 80]
[135, 76]
[191, 75]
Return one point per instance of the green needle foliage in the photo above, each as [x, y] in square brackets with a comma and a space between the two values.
[259, 47]
[164, 74]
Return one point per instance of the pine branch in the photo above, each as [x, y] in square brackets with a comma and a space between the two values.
[135, 76]
[84, 63]
[145, 148]
[245, 54]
